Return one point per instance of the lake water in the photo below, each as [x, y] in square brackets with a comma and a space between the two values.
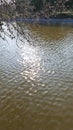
[36, 80]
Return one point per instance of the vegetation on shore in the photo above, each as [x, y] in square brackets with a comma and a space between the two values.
[44, 8]
[36, 9]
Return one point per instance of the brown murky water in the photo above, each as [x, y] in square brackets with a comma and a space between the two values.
[36, 80]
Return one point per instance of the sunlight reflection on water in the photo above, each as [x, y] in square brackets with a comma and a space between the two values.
[36, 80]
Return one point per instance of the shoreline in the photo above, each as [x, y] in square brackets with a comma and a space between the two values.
[50, 21]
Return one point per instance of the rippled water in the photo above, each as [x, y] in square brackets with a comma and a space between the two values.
[36, 80]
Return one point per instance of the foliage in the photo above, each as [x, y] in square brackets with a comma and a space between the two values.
[38, 4]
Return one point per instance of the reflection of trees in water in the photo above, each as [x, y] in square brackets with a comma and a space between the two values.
[14, 30]
[6, 13]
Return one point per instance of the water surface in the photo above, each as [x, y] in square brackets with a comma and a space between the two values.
[36, 80]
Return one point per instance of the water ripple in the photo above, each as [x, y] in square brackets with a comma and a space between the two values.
[36, 81]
